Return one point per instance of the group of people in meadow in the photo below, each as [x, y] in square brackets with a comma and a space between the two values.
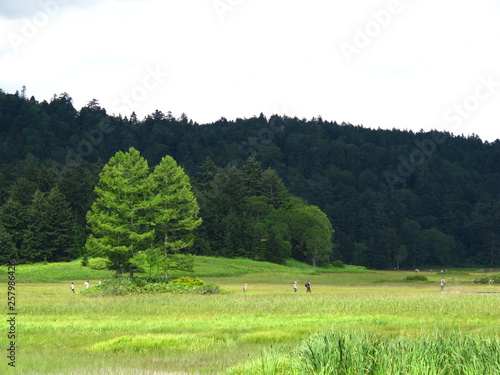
[86, 284]
[245, 287]
[308, 286]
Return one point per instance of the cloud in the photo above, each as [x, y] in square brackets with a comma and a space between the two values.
[262, 57]
[12, 9]
[18, 9]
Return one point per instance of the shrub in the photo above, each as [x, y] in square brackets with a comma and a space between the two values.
[85, 261]
[141, 285]
[416, 278]
[338, 264]
[188, 281]
[208, 289]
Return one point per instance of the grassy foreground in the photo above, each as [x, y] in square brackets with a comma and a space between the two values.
[264, 330]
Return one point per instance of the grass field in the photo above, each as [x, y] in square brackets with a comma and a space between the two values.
[234, 332]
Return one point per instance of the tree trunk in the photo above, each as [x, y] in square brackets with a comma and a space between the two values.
[131, 268]
[166, 254]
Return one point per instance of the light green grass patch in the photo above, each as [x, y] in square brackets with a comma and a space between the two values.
[163, 343]
[53, 272]
[268, 337]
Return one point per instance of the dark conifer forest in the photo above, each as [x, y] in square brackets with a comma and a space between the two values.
[394, 198]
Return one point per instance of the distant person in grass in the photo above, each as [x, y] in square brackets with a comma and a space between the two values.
[72, 288]
[245, 287]
[442, 284]
[295, 287]
[87, 284]
[308, 287]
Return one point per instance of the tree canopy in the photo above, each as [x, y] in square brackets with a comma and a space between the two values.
[389, 194]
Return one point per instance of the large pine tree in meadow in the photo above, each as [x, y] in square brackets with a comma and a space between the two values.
[174, 215]
[141, 219]
[175, 206]
[120, 219]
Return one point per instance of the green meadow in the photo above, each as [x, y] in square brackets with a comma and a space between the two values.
[373, 319]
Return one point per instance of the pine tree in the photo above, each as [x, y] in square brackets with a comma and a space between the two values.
[174, 207]
[8, 251]
[60, 230]
[35, 247]
[120, 218]
[14, 219]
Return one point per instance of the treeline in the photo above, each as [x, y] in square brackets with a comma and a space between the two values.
[394, 198]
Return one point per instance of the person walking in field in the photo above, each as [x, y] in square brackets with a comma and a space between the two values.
[295, 287]
[308, 287]
[72, 288]
[442, 284]
[245, 287]
[87, 284]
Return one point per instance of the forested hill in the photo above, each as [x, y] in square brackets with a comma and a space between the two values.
[393, 197]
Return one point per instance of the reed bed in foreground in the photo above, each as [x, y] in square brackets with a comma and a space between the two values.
[362, 353]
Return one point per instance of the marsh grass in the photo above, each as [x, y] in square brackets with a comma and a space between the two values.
[64, 333]
[357, 352]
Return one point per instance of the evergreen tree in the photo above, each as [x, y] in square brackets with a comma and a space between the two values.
[14, 220]
[60, 230]
[273, 188]
[8, 251]
[35, 247]
[120, 218]
[23, 190]
[174, 208]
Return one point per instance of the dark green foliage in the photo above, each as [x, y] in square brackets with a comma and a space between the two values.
[9, 250]
[50, 231]
[338, 264]
[248, 212]
[386, 212]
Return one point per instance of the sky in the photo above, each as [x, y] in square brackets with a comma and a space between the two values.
[404, 64]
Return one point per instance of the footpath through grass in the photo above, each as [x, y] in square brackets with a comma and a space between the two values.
[64, 333]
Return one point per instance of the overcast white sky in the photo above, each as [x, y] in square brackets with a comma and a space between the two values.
[407, 64]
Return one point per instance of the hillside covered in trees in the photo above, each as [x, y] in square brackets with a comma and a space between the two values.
[393, 198]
